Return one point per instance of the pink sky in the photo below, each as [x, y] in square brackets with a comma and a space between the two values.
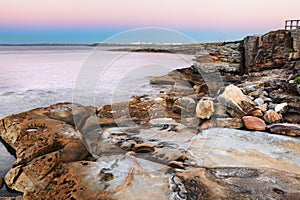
[177, 14]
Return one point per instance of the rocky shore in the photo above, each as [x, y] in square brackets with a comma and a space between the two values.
[228, 128]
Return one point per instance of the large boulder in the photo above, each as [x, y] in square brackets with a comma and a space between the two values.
[237, 103]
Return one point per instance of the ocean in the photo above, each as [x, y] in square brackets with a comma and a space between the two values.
[38, 76]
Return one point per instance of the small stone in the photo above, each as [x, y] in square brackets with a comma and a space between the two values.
[201, 88]
[160, 121]
[260, 84]
[272, 105]
[205, 108]
[281, 108]
[264, 107]
[186, 103]
[162, 80]
[249, 88]
[229, 123]
[259, 101]
[206, 125]
[220, 110]
[257, 112]
[285, 129]
[255, 93]
[272, 117]
[190, 121]
[254, 123]
[195, 87]
[268, 100]
[292, 118]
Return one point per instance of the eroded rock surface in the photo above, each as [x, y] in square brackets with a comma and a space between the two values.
[162, 158]
[235, 183]
[268, 51]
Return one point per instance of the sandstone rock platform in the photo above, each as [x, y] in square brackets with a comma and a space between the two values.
[162, 159]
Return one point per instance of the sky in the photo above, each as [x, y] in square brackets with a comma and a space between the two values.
[89, 21]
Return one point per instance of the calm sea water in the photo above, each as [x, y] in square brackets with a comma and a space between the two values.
[34, 77]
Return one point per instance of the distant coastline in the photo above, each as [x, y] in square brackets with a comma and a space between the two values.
[44, 44]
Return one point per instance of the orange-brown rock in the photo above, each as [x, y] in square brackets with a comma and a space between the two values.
[272, 117]
[257, 112]
[254, 123]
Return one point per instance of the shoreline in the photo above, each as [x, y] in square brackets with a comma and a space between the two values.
[201, 127]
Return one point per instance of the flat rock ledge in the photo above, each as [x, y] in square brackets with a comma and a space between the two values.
[62, 158]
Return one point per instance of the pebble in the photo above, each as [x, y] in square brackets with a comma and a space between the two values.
[259, 101]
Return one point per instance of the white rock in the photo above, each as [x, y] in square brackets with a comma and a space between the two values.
[205, 108]
[259, 101]
[281, 108]
[162, 121]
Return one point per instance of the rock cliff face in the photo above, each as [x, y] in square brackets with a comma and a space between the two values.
[268, 51]
[296, 43]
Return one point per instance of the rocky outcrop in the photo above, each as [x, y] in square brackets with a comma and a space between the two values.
[62, 155]
[233, 183]
[166, 157]
[267, 51]
[295, 33]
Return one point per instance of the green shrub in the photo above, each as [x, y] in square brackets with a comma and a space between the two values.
[297, 80]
